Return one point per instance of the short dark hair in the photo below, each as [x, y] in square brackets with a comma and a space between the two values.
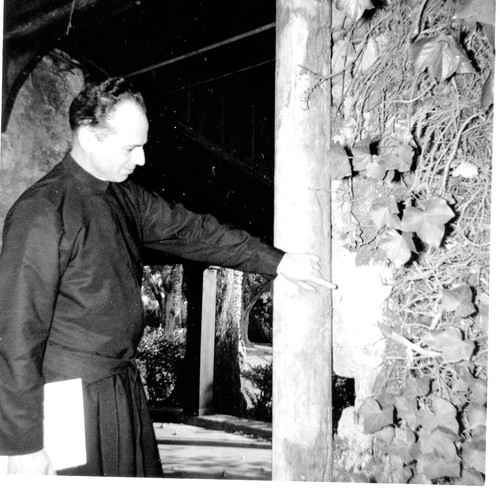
[96, 102]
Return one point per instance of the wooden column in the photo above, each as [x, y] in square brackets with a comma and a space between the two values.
[207, 345]
[198, 378]
[302, 350]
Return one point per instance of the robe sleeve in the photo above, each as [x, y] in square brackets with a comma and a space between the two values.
[173, 229]
[29, 282]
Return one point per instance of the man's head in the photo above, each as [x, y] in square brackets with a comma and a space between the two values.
[110, 128]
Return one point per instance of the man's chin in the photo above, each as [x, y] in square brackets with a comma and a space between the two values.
[120, 178]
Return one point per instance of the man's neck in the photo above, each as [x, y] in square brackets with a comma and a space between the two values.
[81, 158]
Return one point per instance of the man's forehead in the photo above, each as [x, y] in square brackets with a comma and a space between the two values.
[126, 110]
[129, 123]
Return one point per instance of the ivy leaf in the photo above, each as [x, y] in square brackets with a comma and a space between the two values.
[385, 435]
[458, 351]
[337, 157]
[451, 345]
[399, 158]
[374, 417]
[401, 445]
[459, 385]
[471, 477]
[482, 319]
[437, 211]
[405, 153]
[488, 92]
[389, 161]
[439, 442]
[483, 11]
[446, 414]
[397, 248]
[417, 387]
[405, 404]
[354, 9]
[459, 301]
[440, 55]
[474, 454]
[375, 170]
[428, 223]
[420, 479]
[426, 419]
[443, 407]
[479, 390]
[407, 411]
[385, 399]
[476, 415]
[434, 466]
[361, 156]
[400, 475]
[384, 214]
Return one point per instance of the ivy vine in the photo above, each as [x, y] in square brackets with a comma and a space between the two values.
[414, 117]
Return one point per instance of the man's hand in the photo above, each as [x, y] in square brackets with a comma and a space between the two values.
[37, 463]
[304, 271]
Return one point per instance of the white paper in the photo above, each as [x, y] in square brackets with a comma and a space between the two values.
[63, 424]
[4, 462]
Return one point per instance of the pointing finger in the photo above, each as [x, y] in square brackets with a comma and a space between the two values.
[325, 283]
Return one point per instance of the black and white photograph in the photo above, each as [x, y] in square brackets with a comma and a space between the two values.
[247, 247]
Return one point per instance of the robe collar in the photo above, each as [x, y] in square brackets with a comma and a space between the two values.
[80, 174]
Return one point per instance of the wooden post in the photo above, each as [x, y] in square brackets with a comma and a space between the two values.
[302, 334]
[207, 345]
[197, 383]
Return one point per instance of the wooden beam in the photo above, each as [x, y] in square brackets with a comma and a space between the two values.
[59, 20]
[302, 332]
[201, 50]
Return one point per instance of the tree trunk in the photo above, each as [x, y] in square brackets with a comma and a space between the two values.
[302, 335]
[228, 398]
[253, 288]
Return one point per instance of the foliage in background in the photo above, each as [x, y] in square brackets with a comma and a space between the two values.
[162, 348]
[261, 395]
[163, 298]
[159, 358]
[417, 94]
[256, 318]
[261, 378]
[163, 344]
[261, 319]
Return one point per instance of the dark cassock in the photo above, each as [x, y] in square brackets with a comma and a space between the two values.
[71, 307]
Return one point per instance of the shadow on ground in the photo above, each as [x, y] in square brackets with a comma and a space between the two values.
[188, 451]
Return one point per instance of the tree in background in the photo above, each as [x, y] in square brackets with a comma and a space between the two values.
[256, 288]
[162, 347]
[229, 348]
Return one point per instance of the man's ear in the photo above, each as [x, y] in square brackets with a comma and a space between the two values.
[87, 138]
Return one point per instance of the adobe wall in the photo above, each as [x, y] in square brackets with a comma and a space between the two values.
[38, 134]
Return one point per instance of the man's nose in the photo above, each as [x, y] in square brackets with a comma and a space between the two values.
[139, 156]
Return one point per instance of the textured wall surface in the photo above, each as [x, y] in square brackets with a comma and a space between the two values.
[38, 133]
[364, 280]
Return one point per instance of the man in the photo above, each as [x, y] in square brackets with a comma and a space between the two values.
[70, 278]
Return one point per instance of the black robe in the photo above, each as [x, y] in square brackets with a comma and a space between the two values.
[71, 307]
